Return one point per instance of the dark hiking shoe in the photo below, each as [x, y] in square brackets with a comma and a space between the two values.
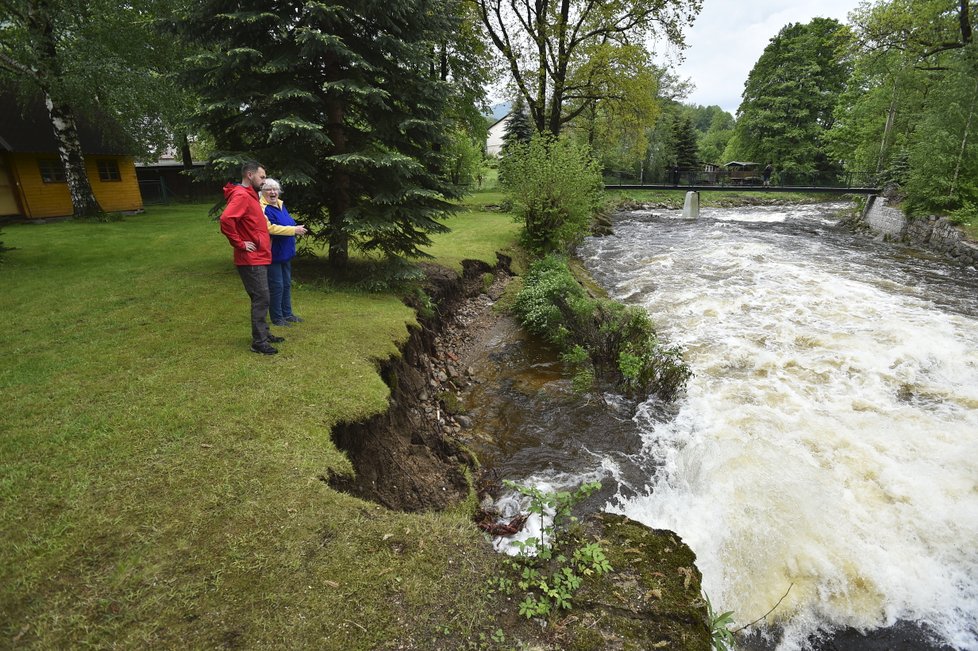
[264, 349]
[293, 319]
[272, 339]
[282, 323]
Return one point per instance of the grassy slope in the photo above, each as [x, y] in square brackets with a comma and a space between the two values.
[159, 483]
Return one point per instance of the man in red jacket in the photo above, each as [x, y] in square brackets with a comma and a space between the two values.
[243, 223]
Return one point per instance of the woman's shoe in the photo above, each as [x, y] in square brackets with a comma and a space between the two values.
[293, 319]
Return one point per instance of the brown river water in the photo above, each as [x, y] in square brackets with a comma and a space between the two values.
[826, 447]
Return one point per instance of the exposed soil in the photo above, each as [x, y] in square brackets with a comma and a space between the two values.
[409, 458]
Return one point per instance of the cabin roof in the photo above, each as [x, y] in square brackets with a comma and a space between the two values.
[26, 127]
[738, 163]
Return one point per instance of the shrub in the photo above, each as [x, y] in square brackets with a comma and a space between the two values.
[554, 187]
[598, 337]
[549, 570]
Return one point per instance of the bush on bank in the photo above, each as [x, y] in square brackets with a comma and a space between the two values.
[555, 189]
[603, 339]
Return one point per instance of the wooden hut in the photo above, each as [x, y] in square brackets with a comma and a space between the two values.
[743, 172]
[32, 178]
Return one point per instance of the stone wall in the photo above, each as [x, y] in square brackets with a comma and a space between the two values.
[932, 233]
[883, 218]
[939, 234]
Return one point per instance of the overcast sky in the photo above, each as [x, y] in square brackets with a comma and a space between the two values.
[730, 35]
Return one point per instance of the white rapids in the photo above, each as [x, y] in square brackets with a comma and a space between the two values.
[828, 441]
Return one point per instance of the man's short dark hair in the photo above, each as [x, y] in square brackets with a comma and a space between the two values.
[249, 167]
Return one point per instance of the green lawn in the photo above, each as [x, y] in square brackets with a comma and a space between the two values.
[160, 483]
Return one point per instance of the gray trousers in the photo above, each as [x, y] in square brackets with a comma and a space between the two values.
[255, 279]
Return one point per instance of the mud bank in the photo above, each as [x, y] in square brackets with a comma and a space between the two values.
[407, 458]
[416, 457]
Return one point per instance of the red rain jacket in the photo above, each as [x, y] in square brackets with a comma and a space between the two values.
[243, 221]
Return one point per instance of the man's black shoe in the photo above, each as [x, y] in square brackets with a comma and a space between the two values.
[264, 349]
[275, 340]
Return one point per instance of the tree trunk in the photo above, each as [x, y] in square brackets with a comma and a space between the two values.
[41, 30]
[560, 71]
[540, 110]
[964, 142]
[887, 128]
[69, 149]
[186, 154]
[339, 198]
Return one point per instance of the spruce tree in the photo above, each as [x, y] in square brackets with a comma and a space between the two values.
[684, 141]
[519, 128]
[343, 102]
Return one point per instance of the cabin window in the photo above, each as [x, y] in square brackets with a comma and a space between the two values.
[108, 170]
[52, 171]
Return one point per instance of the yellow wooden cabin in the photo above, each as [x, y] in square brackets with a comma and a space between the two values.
[32, 178]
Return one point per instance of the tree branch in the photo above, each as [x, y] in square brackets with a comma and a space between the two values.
[15, 66]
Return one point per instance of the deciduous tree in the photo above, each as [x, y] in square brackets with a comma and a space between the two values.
[790, 95]
[547, 45]
[909, 111]
[94, 59]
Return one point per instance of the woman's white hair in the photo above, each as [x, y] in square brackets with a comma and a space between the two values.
[271, 184]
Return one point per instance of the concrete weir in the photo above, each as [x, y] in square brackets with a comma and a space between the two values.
[691, 207]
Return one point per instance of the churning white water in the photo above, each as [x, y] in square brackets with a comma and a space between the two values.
[829, 438]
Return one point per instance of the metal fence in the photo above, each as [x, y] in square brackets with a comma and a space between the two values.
[154, 192]
[740, 178]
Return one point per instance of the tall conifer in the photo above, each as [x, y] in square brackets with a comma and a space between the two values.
[518, 127]
[344, 102]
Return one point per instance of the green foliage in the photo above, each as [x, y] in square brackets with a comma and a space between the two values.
[463, 158]
[911, 110]
[685, 153]
[600, 338]
[109, 62]
[616, 126]
[789, 98]
[721, 637]
[943, 158]
[966, 215]
[518, 129]
[713, 140]
[361, 141]
[555, 188]
[549, 570]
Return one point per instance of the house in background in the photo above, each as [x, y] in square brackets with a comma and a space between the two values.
[168, 178]
[32, 178]
[494, 138]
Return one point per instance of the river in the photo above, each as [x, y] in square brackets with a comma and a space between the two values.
[827, 446]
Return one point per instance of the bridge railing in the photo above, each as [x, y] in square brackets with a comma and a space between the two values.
[727, 179]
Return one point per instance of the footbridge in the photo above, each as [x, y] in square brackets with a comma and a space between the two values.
[737, 181]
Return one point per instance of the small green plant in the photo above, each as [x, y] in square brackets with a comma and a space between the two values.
[966, 215]
[487, 280]
[422, 303]
[721, 637]
[550, 569]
